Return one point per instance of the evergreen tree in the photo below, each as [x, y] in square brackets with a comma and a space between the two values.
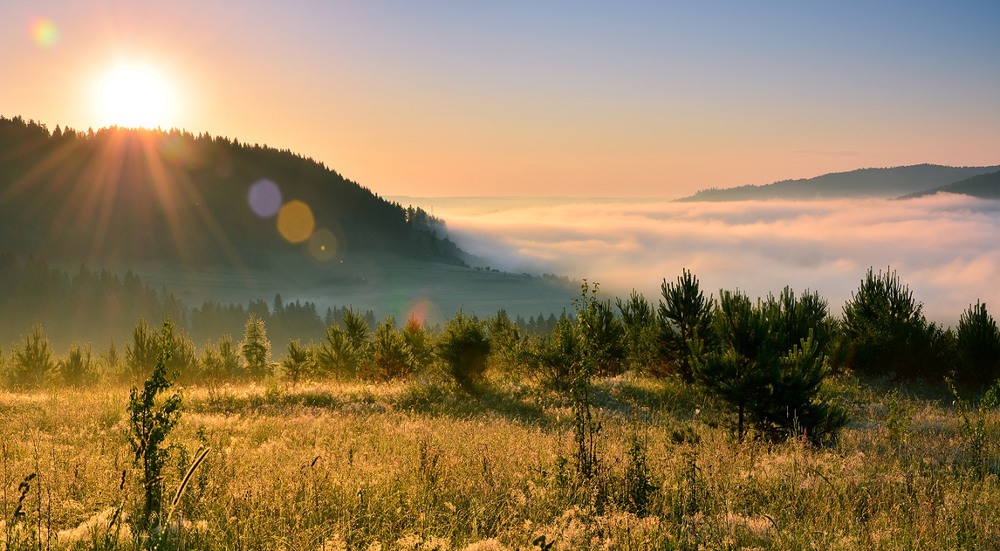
[773, 385]
[978, 346]
[685, 317]
[255, 348]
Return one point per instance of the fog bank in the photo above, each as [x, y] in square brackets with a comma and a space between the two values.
[945, 247]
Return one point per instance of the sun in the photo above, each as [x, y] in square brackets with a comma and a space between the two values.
[133, 96]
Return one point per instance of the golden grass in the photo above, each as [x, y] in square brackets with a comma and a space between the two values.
[422, 465]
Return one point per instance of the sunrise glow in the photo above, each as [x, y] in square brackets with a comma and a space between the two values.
[133, 96]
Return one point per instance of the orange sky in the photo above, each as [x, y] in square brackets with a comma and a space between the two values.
[519, 98]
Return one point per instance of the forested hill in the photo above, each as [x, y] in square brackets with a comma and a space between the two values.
[984, 186]
[119, 195]
[866, 182]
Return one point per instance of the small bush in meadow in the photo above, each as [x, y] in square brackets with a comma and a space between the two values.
[978, 342]
[77, 368]
[390, 354]
[888, 332]
[684, 318]
[32, 363]
[255, 348]
[298, 362]
[152, 415]
[464, 348]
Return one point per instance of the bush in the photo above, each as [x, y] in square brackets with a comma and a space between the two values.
[346, 349]
[684, 318]
[639, 323]
[505, 340]
[390, 354]
[559, 355]
[419, 344]
[603, 336]
[255, 348]
[141, 353]
[151, 418]
[32, 363]
[464, 348]
[888, 332]
[221, 360]
[978, 342]
[773, 385]
[298, 362]
[77, 368]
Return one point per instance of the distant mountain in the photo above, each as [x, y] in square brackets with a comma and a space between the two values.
[866, 182]
[117, 196]
[984, 186]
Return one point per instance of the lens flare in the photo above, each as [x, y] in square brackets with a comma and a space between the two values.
[295, 221]
[44, 33]
[264, 198]
[421, 310]
[323, 245]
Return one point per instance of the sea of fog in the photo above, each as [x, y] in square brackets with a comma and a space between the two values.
[946, 248]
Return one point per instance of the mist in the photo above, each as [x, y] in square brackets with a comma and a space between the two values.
[944, 247]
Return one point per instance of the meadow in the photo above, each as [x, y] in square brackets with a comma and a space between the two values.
[709, 424]
[421, 464]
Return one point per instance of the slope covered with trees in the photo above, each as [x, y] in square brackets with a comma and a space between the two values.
[865, 182]
[118, 195]
[984, 186]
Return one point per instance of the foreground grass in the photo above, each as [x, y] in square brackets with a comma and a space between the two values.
[422, 465]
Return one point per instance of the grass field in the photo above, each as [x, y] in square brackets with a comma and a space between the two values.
[423, 465]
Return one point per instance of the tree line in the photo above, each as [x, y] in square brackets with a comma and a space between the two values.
[766, 359]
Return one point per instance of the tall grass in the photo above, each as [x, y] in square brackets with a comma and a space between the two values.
[419, 463]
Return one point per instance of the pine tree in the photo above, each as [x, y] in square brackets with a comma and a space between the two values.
[684, 318]
[255, 348]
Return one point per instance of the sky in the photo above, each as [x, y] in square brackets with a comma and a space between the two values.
[527, 98]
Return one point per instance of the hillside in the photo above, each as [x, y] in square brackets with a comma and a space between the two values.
[117, 195]
[177, 211]
[865, 182]
[984, 186]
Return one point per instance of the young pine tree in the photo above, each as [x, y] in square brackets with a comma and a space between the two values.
[255, 348]
[684, 318]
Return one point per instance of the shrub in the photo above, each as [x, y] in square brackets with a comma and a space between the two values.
[152, 416]
[32, 363]
[77, 368]
[141, 353]
[772, 385]
[346, 348]
[639, 323]
[418, 343]
[221, 360]
[390, 354]
[559, 355]
[978, 341]
[255, 348]
[505, 340]
[464, 348]
[297, 362]
[888, 332]
[684, 318]
[603, 335]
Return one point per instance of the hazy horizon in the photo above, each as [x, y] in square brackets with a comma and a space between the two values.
[943, 247]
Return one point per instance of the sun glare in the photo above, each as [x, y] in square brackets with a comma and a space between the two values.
[133, 96]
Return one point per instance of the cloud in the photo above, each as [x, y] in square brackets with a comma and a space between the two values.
[944, 247]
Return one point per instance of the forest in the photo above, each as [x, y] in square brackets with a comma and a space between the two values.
[116, 195]
[695, 420]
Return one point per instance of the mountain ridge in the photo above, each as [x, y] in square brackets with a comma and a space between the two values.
[863, 182]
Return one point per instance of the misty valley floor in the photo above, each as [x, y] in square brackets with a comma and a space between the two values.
[423, 465]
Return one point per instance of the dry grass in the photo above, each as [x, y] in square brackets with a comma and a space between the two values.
[421, 465]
